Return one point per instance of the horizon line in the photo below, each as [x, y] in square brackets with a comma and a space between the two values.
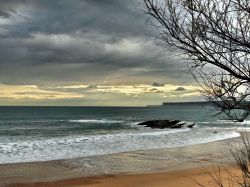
[97, 105]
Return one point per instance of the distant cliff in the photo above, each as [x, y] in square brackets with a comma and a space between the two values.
[198, 103]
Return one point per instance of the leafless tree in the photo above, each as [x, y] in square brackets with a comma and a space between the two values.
[214, 36]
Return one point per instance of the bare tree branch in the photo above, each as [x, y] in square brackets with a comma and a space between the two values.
[211, 34]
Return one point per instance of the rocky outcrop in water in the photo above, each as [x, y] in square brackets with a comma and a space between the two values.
[162, 124]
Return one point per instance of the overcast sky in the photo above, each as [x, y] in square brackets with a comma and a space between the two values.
[86, 52]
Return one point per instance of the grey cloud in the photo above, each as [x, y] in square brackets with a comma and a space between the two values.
[7, 8]
[61, 41]
[154, 90]
[63, 16]
[91, 87]
[4, 13]
[156, 84]
[180, 89]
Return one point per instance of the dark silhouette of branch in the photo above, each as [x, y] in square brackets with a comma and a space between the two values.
[214, 37]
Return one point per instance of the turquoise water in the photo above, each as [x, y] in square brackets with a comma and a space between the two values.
[49, 133]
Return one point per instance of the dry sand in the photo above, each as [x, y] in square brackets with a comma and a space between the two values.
[180, 178]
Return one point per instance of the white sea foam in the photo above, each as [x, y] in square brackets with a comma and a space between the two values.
[234, 122]
[77, 146]
[237, 128]
[94, 121]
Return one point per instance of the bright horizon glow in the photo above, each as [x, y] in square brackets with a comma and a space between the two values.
[57, 95]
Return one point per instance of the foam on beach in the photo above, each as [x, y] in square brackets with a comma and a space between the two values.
[81, 146]
[98, 121]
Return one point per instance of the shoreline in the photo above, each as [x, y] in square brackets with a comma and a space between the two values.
[131, 151]
[127, 164]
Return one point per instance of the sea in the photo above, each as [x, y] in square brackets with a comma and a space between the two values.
[31, 134]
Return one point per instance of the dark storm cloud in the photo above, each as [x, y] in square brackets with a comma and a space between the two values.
[7, 8]
[88, 41]
[63, 16]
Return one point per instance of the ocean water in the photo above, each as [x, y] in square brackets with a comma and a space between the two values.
[29, 134]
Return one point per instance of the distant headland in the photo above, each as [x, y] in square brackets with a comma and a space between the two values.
[193, 103]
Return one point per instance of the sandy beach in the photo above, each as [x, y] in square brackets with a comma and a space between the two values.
[181, 178]
[153, 168]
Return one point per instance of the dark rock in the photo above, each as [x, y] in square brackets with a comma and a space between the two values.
[191, 125]
[162, 124]
[178, 125]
